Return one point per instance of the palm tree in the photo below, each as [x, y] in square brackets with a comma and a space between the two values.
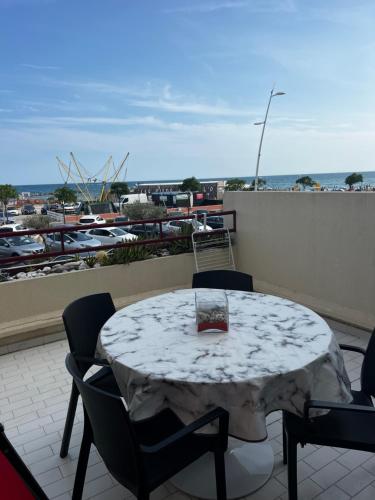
[118, 189]
[7, 192]
[65, 195]
[234, 184]
[306, 180]
[353, 179]
[190, 184]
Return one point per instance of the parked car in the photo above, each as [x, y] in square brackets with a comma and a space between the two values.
[12, 211]
[145, 230]
[11, 228]
[6, 220]
[177, 225]
[70, 208]
[28, 210]
[19, 245]
[91, 219]
[72, 240]
[201, 212]
[121, 218]
[53, 207]
[111, 235]
[216, 221]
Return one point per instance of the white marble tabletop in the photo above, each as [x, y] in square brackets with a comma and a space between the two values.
[275, 355]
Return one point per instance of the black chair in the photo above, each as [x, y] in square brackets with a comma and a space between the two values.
[83, 320]
[144, 454]
[367, 381]
[345, 426]
[14, 471]
[223, 279]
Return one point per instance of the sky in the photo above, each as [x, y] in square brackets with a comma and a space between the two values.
[179, 84]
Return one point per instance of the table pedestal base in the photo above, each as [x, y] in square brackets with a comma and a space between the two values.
[248, 466]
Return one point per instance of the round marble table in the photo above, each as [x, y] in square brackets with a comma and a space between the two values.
[275, 356]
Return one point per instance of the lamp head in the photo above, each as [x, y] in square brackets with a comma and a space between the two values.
[259, 123]
[278, 93]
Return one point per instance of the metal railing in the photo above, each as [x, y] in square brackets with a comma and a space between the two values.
[163, 238]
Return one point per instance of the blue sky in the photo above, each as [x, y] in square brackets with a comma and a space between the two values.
[179, 83]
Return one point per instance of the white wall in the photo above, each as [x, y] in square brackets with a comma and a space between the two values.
[315, 248]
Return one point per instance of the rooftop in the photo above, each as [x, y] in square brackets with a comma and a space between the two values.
[34, 392]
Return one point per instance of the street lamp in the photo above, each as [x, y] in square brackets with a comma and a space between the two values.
[272, 94]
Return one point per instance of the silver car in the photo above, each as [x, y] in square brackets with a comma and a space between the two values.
[19, 245]
[111, 235]
[73, 240]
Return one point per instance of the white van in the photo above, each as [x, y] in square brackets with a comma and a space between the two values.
[128, 199]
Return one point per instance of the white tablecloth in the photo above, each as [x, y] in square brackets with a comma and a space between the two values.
[276, 355]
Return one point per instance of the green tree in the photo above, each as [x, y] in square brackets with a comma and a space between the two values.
[305, 181]
[118, 189]
[65, 195]
[261, 183]
[141, 211]
[353, 179]
[190, 184]
[234, 184]
[7, 192]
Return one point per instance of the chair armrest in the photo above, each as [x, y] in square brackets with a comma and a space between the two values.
[354, 348]
[218, 412]
[88, 359]
[327, 405]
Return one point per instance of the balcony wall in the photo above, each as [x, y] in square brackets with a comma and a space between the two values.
[32, 308]
[315, 248]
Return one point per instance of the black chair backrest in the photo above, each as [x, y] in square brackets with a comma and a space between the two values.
[224, 279]
[83, 320]
[368, 368]
[112, 430]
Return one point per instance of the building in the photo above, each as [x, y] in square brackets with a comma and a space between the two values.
[213, 190]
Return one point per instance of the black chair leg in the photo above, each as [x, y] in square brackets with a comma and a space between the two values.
[83, 459]
[221, 487]
[143, 495]
[285, 454]
[292, 468]
[69, 421]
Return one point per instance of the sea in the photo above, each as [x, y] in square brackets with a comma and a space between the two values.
[330, 181]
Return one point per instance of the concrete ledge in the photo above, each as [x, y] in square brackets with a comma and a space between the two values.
[50, 324]
[32, 308]
[49, 327]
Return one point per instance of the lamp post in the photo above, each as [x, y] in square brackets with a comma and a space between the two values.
[272, 94]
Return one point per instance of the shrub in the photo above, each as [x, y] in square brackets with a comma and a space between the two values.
[141, 211]
[37, 221]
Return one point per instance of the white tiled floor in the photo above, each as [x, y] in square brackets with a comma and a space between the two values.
[34, 391]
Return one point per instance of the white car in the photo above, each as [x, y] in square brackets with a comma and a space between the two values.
[175, 226]
[111, 235]
[12, 211]
[91, 219]
[11, 228]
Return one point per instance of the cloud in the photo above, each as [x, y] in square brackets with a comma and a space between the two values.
[208, 7]
[203, 150]
[89, 120]
[195, 108]
[159, 97]
[255, 6]
[146, 90]
[39, 67]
